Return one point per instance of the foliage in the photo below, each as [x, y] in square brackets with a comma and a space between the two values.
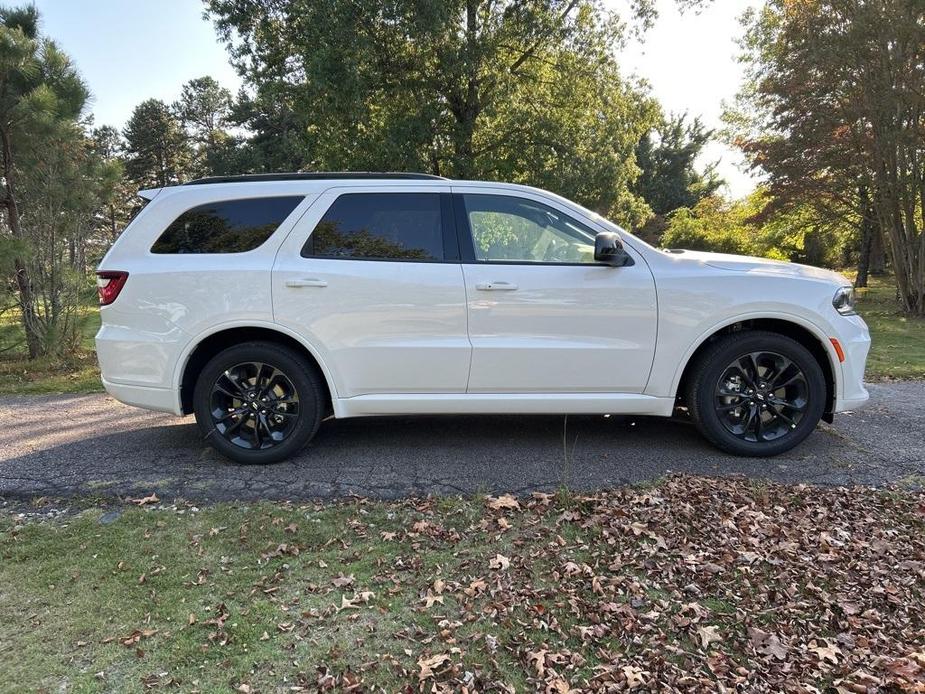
[797, 234]
[117, 193]
[690, 584]
[834, 112]
[62, 187]
[520, 91]
[666, 157]
[204, 110]
[158, 153]
[41, 96]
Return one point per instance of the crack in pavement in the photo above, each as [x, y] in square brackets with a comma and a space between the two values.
[67, 445]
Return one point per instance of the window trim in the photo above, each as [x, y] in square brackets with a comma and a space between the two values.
[151, 252]
[448, 230]
[467, 240]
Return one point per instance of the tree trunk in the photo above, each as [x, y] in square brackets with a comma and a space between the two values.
[23, 283]
[877, 252]
[812, 248]
[867, 238]
[464, 103]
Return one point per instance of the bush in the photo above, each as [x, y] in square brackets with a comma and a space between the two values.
[741, 227]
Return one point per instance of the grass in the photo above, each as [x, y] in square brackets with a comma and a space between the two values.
[78, 373]
[897, 352]
[897, 341]
[664, 583]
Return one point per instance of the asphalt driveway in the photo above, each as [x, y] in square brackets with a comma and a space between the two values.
[70, 445]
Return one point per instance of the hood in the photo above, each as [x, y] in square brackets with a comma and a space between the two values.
[764, 266]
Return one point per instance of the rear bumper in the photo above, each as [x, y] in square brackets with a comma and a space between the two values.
[137, 365]
[160, 399]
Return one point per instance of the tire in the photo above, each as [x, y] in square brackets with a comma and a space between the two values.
[258, 402]
[731, 409]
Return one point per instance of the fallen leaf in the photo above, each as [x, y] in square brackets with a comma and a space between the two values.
[428, 665]
[505, 502]
[708, 635]
[634, 676]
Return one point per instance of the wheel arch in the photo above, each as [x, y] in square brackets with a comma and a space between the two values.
[207, 345]
[804, 332]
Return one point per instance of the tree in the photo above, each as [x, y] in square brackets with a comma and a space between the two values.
[117, 195]
[205, 109]
[157, 149]
[63, 188]
[40, 91]
[834, 112]
[525, 90]
[667, 156]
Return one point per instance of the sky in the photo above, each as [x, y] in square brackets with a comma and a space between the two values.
[132, 50]
[689, 60]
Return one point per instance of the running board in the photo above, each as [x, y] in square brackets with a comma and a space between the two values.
[503, 403]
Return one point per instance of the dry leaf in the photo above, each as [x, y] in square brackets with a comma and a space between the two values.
[708, 635]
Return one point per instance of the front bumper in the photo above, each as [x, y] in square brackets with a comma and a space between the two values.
[855, 341]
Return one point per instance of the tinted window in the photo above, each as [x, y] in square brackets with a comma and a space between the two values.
[228, 226]
[395, 226]
[511, 229]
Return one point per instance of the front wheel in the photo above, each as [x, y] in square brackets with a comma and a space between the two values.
[756, 393]
[258, 402]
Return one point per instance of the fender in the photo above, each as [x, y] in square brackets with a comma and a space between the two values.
[276, 327]
[817, 332]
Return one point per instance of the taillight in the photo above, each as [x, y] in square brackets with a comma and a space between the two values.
[108, 285]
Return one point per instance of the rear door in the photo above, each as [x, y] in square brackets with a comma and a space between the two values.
[544, 317]
[372, 280]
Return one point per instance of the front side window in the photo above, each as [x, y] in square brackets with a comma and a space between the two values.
[510, 229]
[380, 226]
[226, 226]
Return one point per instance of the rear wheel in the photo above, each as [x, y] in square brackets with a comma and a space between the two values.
[258, 402]
[756, 393]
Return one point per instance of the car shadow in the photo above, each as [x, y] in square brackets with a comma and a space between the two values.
[392, 457]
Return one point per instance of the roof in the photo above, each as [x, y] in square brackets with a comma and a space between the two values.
[314, 176]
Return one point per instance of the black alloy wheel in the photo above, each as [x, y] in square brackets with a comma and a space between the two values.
[259, 402]
[756, 393]
[254, 405]
[761, 396]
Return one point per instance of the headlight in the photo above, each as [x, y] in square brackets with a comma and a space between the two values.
[843, 301]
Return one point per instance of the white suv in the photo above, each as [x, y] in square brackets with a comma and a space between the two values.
[264, 304]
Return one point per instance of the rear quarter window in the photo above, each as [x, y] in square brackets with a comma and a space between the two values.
[226, 226]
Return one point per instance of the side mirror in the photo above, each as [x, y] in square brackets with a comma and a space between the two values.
[608, 249]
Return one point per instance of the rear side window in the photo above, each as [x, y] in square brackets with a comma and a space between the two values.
[380, 226]
[227, 226]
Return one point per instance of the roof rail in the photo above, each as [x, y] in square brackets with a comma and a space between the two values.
[312, 176]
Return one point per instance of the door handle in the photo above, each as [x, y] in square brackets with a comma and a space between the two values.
[496, 286]
[306, 282]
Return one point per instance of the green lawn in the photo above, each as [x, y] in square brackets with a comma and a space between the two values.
[77, 374]
[898, 350]
[898, 342]
[693, 583]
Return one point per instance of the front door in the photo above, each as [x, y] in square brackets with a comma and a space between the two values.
[372, 281]
[544, 317]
